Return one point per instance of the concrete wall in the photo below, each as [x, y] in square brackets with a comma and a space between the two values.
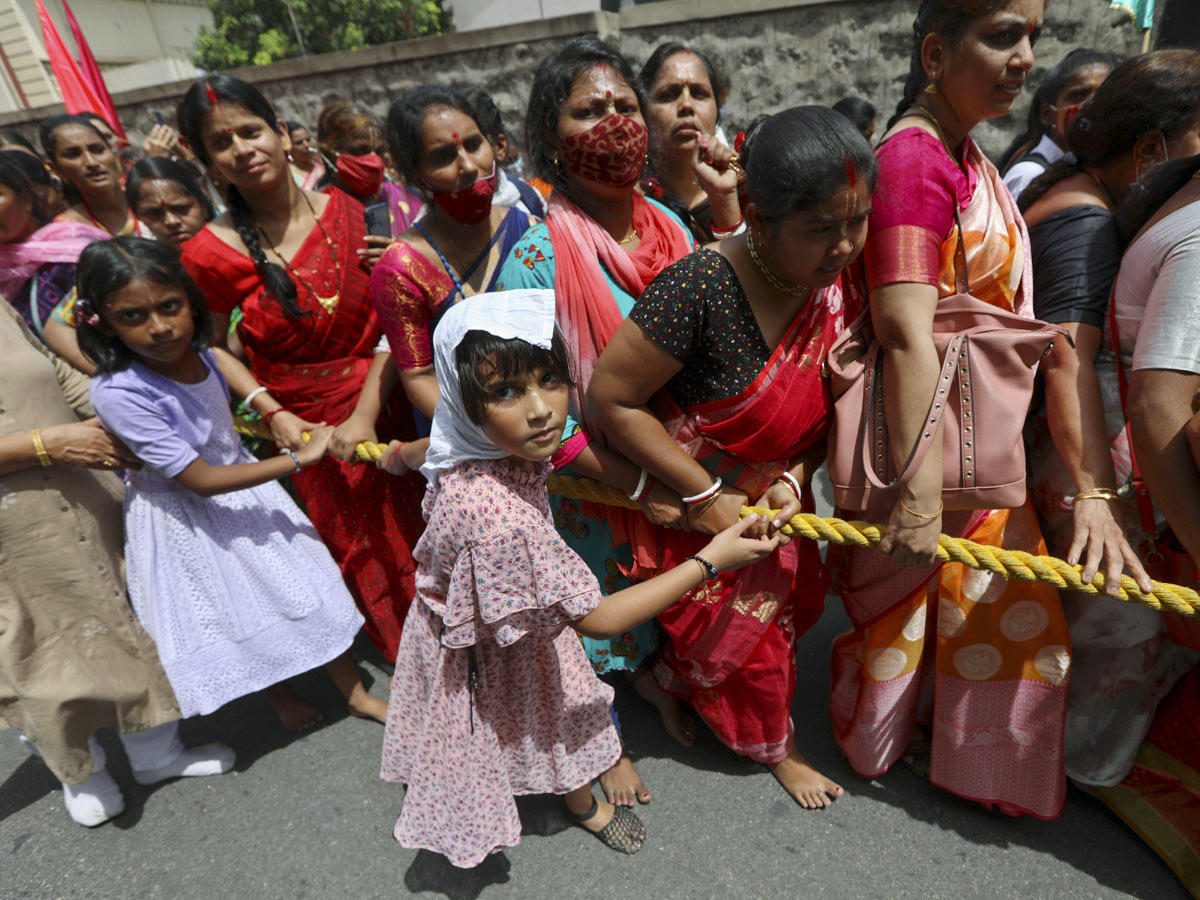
[778, 53]
[470, 15]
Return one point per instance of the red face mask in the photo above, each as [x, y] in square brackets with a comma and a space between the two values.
[471, 205]
[362, 175]
[612, 152]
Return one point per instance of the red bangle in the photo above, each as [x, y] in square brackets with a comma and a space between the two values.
[267, 416]
[732, 228]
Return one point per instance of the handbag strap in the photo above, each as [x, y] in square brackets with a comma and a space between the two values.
[1145, 503]
[874, 461]
[957, 353]
[962, 277]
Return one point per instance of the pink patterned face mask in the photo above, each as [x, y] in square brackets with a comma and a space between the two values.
[612, 152]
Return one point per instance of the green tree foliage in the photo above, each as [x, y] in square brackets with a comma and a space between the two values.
[260, 31]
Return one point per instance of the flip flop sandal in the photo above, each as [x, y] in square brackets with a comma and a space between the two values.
[624, 832]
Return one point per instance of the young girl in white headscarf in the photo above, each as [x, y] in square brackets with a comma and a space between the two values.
[493, 695]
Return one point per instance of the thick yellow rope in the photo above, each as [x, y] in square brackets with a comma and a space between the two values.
[1012, 564]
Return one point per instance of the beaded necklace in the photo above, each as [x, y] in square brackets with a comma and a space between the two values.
[329, 304]
[795, 290]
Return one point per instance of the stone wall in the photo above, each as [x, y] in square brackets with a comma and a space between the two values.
[778, 53]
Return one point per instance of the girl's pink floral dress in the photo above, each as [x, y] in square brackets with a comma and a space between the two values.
[493, 694]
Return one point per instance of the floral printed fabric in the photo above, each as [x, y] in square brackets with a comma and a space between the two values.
[492, 695]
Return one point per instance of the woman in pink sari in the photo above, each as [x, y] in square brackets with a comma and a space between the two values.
[979, 662]
[37, 258]
[713, 386]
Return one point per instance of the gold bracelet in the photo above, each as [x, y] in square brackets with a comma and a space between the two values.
[1096, 494]
[40, 448]
[913, 512]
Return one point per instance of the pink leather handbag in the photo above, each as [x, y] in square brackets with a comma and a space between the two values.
[989, 358]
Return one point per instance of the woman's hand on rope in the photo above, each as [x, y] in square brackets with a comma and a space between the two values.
[288, 429]
[87, 445]
[662, 506]
[715, 516]
[392, 461]
[1099, 540]
[780, 496]
[354, 431]
[741, 544]
[316, 445]
[910, 539]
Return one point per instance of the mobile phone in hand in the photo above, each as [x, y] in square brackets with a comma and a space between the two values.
[158, 118]
[379, 220]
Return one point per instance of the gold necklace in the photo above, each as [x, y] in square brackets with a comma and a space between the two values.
[632, 234]
[1103, 190]
[795, 290]
[329, 304]
[941, 132]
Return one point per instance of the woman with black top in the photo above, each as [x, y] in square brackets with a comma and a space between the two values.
[1147, 110]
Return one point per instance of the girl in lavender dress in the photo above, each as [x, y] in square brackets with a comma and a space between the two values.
[225, 572]
[493, 694]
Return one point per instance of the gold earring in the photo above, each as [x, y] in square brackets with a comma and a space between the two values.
[932, 87]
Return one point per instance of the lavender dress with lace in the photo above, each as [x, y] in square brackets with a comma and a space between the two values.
[493, 694]
[237, 589]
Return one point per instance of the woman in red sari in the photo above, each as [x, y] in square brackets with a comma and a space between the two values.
[290, 259]
[713, 386]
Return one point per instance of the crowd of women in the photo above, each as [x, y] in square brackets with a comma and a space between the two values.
[654, 306]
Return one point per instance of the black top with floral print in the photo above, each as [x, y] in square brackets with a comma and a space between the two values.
[697, 311]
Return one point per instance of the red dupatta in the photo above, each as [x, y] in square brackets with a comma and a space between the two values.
[587, 313]
[315, 364]
[747, 440]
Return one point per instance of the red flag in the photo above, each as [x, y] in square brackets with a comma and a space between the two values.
[91, 74]
[77, 94]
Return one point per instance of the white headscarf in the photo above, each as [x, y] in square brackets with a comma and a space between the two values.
[525, 314]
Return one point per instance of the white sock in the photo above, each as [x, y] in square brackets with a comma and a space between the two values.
[207, 759]
[98, 799]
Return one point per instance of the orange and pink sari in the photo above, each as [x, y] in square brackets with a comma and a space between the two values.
[981, 662]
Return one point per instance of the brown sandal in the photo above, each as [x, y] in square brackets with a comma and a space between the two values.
[624, 832]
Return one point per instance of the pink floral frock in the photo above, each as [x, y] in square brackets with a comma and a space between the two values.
[493, 694]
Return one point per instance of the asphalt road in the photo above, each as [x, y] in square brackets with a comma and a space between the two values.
[305, 817]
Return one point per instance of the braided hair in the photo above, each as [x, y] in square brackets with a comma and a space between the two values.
[948, 19]
[202, 97]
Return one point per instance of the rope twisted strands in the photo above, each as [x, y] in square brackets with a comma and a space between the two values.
[1016, 565]
[366, 451]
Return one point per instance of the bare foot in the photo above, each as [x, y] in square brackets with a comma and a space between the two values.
[363, 705]
[676, 721]
[808, 787]
[294, 712]
[623, 785]
[345, 674]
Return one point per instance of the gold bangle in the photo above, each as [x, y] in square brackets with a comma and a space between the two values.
[913, 512]
[1096, 494]
[40, 448]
